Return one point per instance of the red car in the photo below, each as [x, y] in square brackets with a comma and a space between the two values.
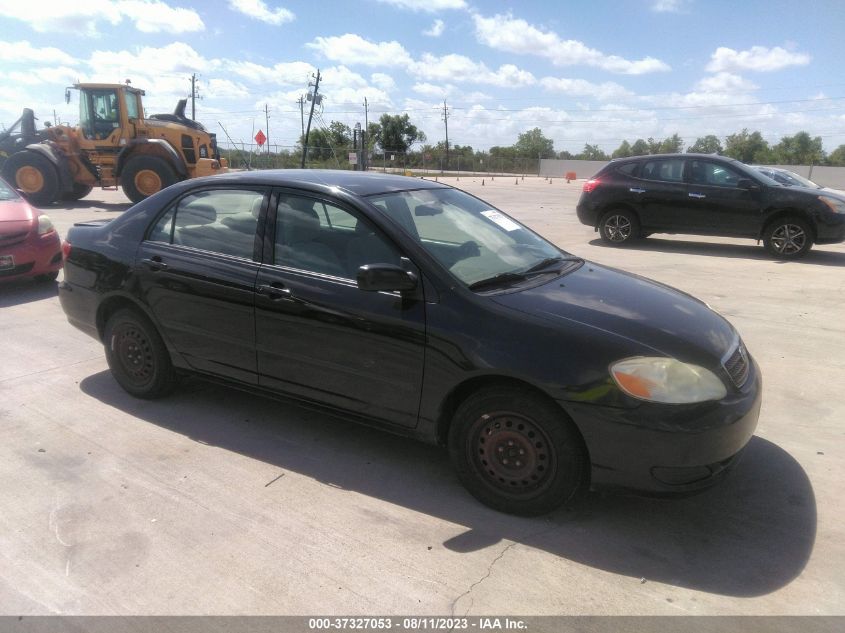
[29, 243]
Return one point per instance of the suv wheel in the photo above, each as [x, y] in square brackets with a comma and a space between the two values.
[788, 238]
[619, 226]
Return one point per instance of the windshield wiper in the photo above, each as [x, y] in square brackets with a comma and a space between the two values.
[497, 280]
[548, 262]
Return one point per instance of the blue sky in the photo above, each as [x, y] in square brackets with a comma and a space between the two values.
[584, 72]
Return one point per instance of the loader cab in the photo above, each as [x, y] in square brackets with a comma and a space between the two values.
[105, 112]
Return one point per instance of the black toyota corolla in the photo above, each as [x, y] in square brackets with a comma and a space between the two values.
[418, 308]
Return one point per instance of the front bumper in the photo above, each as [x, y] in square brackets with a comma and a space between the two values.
[39, 255]
[668, 449]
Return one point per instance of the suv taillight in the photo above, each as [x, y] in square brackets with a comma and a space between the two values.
[65, 249]
[591, 184]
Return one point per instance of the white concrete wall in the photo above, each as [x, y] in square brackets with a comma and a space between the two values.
[825, 176]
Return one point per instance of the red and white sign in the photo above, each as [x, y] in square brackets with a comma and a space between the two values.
[260, 138]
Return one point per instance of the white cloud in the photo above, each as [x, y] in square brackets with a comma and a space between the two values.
[354, 49]
[669, 6]
[428, 6]
[383, 81]
[52, 77]
[284, 74]
[83, 16]
[225, 89]
[153, 16]
[757, 58]
[461, 68]
[436, 29]
[725, 82]
[438, 91]
[584, 88]
[506, 33]
[258, 10]
[24, 52]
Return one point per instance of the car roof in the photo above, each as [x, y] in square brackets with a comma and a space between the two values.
[360, 183]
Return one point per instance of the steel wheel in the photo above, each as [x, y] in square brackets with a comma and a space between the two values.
[516, 451]
[137, 356]
[147, 182]
[788, 238]
[619, 226]
[29, 179]
[511, 454]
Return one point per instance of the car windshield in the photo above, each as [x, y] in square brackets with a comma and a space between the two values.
[793, 179]
[6, 192]
[471, 239]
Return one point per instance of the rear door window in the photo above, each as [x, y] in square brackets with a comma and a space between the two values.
[666, 170]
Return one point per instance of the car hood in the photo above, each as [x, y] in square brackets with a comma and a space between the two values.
[16, 211]
[656, 316]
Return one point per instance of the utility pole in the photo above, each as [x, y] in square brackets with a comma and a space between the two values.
[302, 113]
[267, 125]
[365, 136]
[315, 96]
[446, 121]
[194, 97]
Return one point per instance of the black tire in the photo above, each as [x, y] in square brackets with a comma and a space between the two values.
[145, 175]
[34, 175]
[47, 277]
[79, 191]
[137, 356]
[517, 452]
[619, 226]
[789, 237]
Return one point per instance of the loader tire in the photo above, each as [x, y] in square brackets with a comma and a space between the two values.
[34, 175]
[144, 176]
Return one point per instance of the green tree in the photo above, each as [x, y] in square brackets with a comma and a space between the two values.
[672, 145]
[592, 152]
[837, 157]
[623, 151]
[395, 133]
[639, 148]
[709, 144]
[799, 149]
[747, 147]
[533, 144]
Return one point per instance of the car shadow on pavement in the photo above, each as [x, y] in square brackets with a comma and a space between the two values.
[748, 536]
[23, 291]
[737, 251]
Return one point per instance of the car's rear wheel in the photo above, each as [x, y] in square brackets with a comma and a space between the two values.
[137, 356]
[516, 452]
[788, 238]
[619, 226]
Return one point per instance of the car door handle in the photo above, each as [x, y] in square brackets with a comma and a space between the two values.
[154, 263]
[275, 292]
[697, 196]
[636, 190]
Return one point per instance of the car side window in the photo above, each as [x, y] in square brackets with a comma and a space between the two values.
[220, 221]
[669, 170]
[305, 240]
[704, 172]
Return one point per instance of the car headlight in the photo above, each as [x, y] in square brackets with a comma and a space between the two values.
[45, 225]
[659, 379]
[835, 204]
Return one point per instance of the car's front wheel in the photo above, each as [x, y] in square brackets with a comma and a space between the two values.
[788, 238]
[137, 356]
[517, 452]
[619, 226]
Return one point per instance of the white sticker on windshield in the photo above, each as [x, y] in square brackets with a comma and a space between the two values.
[498, 218]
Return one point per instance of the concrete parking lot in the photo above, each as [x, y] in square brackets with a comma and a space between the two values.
[214, 501]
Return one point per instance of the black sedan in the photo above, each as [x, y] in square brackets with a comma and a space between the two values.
[418, 308]
[705, 194]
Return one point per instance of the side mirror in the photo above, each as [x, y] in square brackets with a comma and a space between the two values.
[385, 278]
[747, 183]
[67, 95]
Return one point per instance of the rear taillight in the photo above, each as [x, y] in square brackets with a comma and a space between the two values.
[591, 184]
[65, 249]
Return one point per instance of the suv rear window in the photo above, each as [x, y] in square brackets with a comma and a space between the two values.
[671, 170]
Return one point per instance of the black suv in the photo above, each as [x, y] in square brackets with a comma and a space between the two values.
[707, 194]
